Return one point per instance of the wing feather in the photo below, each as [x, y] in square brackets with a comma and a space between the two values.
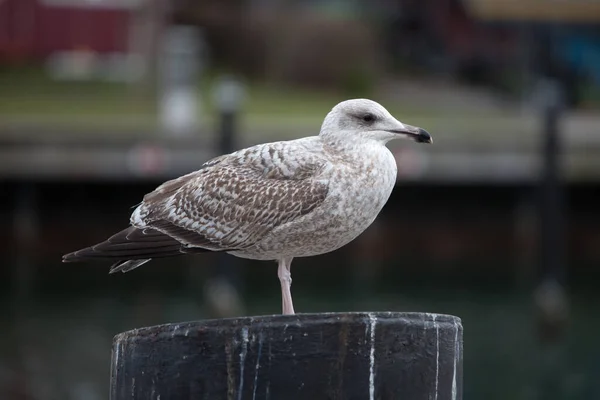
[235, 200]
[231, 203]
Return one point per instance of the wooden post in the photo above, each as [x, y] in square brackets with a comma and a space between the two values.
[409, 356]
[552, 223]
[550, 295]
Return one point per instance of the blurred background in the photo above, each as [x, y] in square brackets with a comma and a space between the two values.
[497, 222]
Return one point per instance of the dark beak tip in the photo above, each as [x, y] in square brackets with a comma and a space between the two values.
[424, 137]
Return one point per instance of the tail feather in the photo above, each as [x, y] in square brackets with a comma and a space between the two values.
[131, 243]
[132, 247]
[126, 266]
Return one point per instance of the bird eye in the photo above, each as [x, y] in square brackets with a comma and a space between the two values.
[368, 118]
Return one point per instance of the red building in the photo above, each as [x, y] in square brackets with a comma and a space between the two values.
[33, 29]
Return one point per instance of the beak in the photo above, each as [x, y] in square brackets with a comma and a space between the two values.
[419, 135]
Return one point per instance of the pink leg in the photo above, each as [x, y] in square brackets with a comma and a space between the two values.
[285, 277]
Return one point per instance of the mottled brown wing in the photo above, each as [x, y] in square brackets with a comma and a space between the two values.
[233, 204]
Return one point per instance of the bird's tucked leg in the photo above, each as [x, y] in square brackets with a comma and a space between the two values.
[285, 277]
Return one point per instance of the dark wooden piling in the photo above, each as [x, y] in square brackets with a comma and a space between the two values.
[409, 356]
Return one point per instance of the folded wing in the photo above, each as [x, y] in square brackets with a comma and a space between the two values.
[229, 204]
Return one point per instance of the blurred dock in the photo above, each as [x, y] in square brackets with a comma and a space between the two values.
[467, 148]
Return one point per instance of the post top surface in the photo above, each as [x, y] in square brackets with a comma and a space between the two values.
[283, 321]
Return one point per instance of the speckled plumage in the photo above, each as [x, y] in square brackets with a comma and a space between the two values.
[273, 201]
[283, 199]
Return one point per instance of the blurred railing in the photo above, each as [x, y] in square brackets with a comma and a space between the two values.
[455, 156]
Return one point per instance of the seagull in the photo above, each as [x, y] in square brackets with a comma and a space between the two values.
[273, 201]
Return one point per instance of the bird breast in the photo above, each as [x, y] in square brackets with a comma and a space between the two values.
[364, 183]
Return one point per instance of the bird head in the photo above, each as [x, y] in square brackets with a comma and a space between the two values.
[363, 119]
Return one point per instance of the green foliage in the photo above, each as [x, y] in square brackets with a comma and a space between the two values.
[358, 82]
